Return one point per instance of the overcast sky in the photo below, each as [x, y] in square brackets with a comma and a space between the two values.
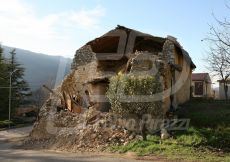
[59, 27]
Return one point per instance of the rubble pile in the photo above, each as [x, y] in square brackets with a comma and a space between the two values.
[89, 131]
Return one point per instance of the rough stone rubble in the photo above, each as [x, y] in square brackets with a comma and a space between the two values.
[89, 131]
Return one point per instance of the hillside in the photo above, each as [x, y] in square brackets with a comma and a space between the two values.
[41, 68]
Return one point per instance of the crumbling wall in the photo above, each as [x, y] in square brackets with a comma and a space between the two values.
[84, 69]
[83, 56]
[87, 68]
[177, 74]
[144, 63]
[167, 57]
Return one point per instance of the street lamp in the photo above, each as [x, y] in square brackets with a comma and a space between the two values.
[10, 93]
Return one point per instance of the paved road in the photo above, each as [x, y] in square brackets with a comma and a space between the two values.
[11, 138]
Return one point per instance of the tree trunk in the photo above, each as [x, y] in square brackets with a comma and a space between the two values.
[226, 90]
[143, 132]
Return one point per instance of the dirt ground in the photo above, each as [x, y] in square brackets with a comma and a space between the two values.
[10, 141]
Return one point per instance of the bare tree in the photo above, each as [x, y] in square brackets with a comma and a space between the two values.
[219, 51]
[41, 95]
[219, 66]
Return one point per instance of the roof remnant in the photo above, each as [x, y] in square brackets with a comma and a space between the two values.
[108, 43]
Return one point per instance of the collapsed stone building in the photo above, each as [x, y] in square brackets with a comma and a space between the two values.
[125, 50]
[87, 125]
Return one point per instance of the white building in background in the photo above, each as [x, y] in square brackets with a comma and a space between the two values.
[221, 89]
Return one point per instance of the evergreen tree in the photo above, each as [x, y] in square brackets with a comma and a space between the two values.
[4, 84]
[20, 89]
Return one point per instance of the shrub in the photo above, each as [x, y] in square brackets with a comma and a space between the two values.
[130, 95]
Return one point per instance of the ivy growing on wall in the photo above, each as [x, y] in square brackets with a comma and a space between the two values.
[127, 94]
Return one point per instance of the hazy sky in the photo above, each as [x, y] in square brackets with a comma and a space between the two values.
[59, 27]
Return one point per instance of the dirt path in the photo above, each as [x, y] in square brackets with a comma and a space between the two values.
[11, 138]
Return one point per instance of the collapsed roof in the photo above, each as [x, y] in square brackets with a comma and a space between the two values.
[124, 41]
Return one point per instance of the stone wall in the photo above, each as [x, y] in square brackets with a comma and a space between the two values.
[83, 56]
[177, 72]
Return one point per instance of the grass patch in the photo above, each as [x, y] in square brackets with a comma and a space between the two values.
[207, 114]
[185, 146]
[15, 122]
[5, 123]
[207, 139]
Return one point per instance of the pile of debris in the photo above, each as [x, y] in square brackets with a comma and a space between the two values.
[89, 131]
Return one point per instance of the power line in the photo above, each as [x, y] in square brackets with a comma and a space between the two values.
[20, 87]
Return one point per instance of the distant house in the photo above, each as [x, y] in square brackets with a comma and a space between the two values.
[221, 89]
[201, 85]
